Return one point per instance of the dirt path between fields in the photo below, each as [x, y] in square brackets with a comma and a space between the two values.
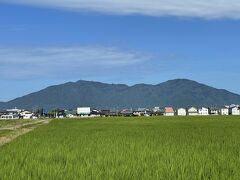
[20, 129]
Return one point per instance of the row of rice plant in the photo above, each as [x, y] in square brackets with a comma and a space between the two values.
[127, 148]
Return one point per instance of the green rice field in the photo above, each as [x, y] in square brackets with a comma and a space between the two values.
[126, 148]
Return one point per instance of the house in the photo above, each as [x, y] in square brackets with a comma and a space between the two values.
[105, 112]
[126, 112]
[203, 111]
[71, 113]
[25, 115]
[192, 111]
[181, 112]
[156, 110]
[8, 117]
[142, 112]
[235, 111]
[95, 113]
[59, 113]
[213, 111]
[168, 111]
[10, 114]
[224, 111]
[14, 111]
[113, 113]
[3, 112]
[138, 113]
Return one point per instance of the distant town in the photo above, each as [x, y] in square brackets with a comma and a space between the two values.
[85, 112]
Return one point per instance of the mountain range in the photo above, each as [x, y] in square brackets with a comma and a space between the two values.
[176, 93]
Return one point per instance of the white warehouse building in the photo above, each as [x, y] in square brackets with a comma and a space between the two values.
[83, 110]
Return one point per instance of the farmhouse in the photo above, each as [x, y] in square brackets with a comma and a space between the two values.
[2, 112]
[70, 113]
[25, 115]
[203, 111]
[138, 113]
[105, 112]
[192, 111]
[156, 110]
[8, 116]
[168, 111]
[95, 113]
[224, 111]
[235, 111]
[113, 113]
[126, 112]
[181, 112]
[213, 111]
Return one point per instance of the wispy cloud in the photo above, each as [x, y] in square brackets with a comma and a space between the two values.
[34, 62]
[187, 8]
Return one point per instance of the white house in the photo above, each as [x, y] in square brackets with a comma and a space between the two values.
[168, 111]
[181, 112]
[224, 111]
[192, 111]
[156, 109]
[214, 111]
[203, 111]
[235, 111]
[14, 111]
[8, 117]
[26, 115]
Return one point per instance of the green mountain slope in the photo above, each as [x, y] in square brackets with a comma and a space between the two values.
[177, 93]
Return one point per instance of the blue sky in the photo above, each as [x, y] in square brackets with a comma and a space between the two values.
[44, 43]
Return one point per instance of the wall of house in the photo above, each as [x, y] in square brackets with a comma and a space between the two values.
[224, 112]
[181, 112]
[203, 112]
[235, 111]
[168, 114]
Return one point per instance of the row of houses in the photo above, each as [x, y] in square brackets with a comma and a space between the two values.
[17, 114]
[167, 111]
[91, 112]
[203, 111]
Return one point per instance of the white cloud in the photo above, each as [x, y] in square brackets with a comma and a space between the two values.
[64, 61]
[184, 8]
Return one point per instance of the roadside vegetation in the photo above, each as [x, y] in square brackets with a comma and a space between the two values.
[11, 129]
[6, 123]
[126, 148]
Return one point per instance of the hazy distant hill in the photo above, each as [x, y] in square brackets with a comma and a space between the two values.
[177, 93]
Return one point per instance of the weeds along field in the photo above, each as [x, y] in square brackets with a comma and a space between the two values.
[126, 148]
[4, 123]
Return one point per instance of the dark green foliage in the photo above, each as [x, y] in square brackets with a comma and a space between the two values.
[127, 148]
[177, 93]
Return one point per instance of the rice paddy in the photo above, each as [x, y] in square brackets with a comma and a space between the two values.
[126, 148]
